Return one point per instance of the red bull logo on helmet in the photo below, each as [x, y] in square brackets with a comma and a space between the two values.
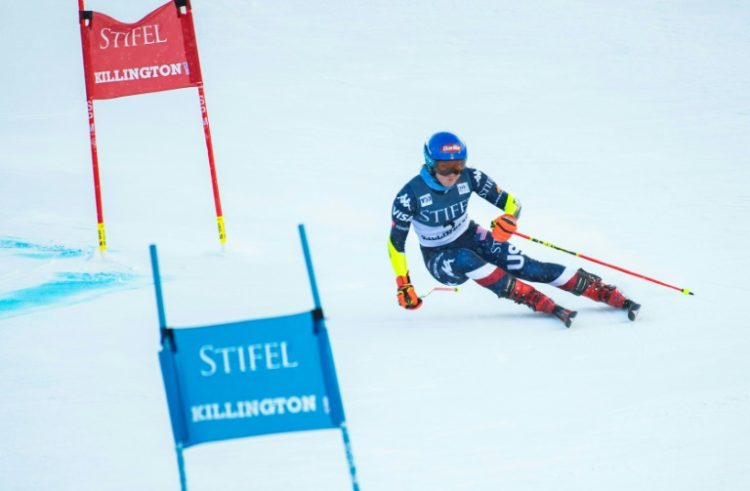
[451, 148]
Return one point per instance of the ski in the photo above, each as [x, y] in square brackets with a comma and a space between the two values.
[633, 309]
[565, 315]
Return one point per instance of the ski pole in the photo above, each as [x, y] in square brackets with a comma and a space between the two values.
[684, 291]
[440, 289]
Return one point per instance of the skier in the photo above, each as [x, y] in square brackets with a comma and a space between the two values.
[456, 249]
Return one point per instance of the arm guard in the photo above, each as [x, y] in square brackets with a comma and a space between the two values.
[512, 205]
[398, 260]
[401, 216]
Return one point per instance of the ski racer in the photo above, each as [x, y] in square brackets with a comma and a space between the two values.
[456, 249]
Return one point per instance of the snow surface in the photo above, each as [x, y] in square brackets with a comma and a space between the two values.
[623, 127]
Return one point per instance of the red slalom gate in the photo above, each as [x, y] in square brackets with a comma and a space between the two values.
[155, 54]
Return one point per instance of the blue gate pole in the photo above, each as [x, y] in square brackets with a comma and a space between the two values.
[308, 263]
[316, 299]
[181, 467]
[349, 456]
[163, 335]
[159, 296]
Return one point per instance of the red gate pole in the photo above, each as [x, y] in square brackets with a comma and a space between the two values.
[212, 165]
[92, 130]
[187, 24]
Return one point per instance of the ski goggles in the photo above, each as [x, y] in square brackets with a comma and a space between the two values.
[448, 167]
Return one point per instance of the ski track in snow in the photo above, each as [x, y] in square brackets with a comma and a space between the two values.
[63, 288]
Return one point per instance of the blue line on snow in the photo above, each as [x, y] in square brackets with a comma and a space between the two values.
[64, 286]
[38, 251]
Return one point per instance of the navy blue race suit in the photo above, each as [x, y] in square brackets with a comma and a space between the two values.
[453, 246]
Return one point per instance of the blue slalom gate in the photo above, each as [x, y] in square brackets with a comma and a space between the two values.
[252, 377]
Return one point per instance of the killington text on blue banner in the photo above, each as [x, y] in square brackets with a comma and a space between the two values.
[251, 377]
[247, 378]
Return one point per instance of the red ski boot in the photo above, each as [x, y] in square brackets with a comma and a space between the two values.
[591, 286]
[523, 293]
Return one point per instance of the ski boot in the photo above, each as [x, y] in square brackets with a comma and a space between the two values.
[590, 286]
[525, 294]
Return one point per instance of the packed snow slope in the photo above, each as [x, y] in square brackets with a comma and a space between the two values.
[623, 128]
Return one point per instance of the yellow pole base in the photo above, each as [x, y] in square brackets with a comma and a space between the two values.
[222, 230]
[102, 237]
